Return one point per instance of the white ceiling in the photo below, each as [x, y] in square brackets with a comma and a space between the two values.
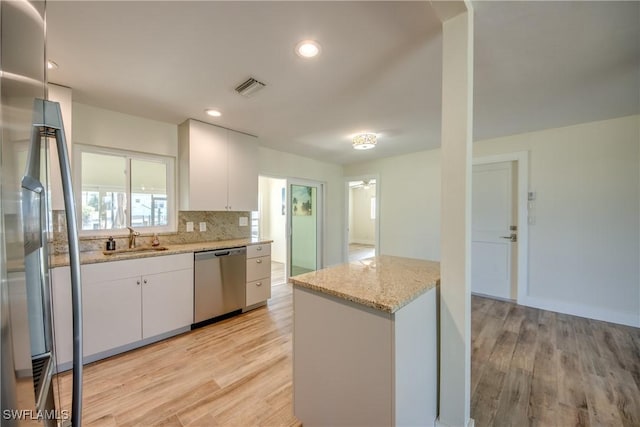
[537, 65]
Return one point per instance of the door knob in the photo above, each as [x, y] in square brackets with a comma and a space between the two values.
[513, 237]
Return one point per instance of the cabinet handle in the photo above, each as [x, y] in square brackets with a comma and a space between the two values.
[259, 261]
[138, 282]
[259, 248]
[145, 281]
[259, 284]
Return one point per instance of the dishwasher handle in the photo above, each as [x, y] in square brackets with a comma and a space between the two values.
[198, 256]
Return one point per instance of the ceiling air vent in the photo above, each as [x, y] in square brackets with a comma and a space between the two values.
[249, 87]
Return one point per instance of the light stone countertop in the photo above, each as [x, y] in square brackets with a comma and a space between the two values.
[385, 283]
[97, 256]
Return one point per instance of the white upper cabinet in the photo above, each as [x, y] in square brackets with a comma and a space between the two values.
[218, 168]
[243, 172]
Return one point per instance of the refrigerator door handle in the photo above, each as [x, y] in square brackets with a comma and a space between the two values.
[52, 126]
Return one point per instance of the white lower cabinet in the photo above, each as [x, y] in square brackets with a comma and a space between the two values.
[258, 274]
[167, 301]
[124, 302]
[110, 314]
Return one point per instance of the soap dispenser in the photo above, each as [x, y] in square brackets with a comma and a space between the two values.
[155, 241]
[111, 244]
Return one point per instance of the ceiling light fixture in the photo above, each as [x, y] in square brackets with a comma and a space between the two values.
[51, 65]
[365, 141]
[213, 113]
[308, 49]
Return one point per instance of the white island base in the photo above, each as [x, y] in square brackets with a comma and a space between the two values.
[355, 365]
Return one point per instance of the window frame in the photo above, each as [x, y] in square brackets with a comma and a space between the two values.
[129, 155]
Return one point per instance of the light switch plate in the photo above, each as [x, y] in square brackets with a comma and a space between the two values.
[189, 226]
[244, 221]
[203, 226]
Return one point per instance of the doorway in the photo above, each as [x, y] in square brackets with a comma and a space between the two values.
[291, 214]
[304, 219]
[499, 226]
[272, 224]
[361, 238]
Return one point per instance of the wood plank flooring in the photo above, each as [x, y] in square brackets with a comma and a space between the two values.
[358, 251]
[233, 373]
[539, 368]
[529, 368]
[277, 273]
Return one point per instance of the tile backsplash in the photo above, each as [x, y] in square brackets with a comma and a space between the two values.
[220, 226]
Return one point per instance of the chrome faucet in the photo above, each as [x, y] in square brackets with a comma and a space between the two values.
[132, 237]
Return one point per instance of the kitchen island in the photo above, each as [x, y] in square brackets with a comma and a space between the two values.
[365, 343]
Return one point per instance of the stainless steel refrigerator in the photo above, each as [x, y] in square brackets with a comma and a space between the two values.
[30, 126]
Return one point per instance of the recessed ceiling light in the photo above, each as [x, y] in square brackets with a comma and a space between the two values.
[51, 65]
[308, 49]
[213, 113]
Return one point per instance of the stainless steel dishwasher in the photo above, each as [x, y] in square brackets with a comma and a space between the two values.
[220, 283]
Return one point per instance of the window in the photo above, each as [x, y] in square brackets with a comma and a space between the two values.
[117, 188]
[255, 225]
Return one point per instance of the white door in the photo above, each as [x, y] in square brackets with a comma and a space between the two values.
[492, 216]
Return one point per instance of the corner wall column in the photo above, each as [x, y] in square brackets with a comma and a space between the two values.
[457, 126]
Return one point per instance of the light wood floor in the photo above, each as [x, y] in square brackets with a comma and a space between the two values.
[358, 251]
[232, 373]
[277, 273]
[535, 367]
[529, 367]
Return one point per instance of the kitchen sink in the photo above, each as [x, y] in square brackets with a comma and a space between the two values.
[138, 249]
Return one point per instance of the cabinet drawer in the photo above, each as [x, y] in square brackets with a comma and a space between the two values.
[258, 268]
[254, 251]
[258, 291]
[122, 269]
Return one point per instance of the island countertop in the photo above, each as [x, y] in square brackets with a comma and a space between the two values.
[386, 283]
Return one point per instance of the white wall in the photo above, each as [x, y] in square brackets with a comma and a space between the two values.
[279, 164]
[272, 222]
[105, 128]
[362, 228]
[584, 248]
[584, 245]
[409, 203]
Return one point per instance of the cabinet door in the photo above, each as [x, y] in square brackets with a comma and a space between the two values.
[167, 302]
[243, 172]
[111, 313]
[207, 147]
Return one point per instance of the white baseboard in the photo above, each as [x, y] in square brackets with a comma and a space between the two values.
[621, 318]
[470, 423]
[479, 294]
[363, 242]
